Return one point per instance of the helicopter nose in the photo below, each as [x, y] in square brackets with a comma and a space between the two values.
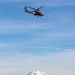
[42, 14]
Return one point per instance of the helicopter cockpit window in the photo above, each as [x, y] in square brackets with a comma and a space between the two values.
[33, 12]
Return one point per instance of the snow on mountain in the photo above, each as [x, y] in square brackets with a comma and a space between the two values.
[37, 73]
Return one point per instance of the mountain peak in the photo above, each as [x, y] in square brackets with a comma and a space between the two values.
[37, 72]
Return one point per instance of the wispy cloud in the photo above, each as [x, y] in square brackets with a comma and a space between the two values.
[51, 63]
[20, 27]
[47, 3]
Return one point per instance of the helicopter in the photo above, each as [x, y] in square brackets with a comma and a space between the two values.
[35, 11]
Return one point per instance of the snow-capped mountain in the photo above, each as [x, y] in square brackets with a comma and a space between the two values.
[37, 73]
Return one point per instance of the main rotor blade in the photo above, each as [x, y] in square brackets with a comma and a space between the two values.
[39, 8]
[31, 7]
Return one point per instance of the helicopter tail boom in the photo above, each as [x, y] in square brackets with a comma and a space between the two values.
[26, 9]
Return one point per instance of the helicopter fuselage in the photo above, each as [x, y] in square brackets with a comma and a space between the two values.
[38, 13]
[35, 12]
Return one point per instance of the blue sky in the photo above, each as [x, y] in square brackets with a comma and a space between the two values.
[43, 43]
